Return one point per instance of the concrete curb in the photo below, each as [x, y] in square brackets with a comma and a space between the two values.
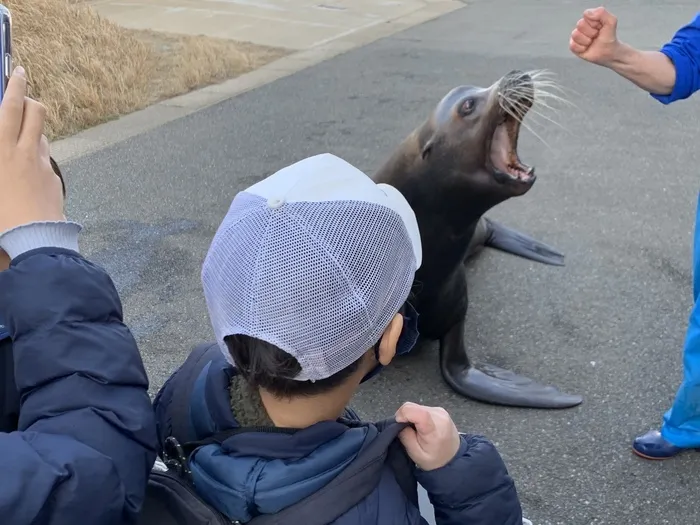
[109, 133]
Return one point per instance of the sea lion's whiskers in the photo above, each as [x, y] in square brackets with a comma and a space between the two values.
[514, 104]
[534, 117]
[542, 80]
[522, 122]
[539, 92]
[543, 76]
[552, 84]
[542, 101]
[543, 89]
[540, 73]
[535, 112]
[522, 109]
[542, 94]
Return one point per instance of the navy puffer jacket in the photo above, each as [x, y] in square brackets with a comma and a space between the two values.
[80, 446]
[262, 472]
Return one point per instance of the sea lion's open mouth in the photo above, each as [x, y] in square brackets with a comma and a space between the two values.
[503, 154]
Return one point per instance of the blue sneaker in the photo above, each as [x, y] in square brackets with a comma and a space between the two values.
[653, 446]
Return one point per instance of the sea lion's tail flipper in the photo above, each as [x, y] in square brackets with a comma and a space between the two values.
[494, 385]
[505, 239]
[498, 386]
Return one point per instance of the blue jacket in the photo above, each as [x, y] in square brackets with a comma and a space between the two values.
[86, 435]
[263, 472]
[684, 52]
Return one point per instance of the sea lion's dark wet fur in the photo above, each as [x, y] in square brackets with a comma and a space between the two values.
[452, 169]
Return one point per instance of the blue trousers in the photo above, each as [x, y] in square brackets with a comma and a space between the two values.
[681, 426]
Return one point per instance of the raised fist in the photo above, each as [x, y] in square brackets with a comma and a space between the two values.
[595, 37]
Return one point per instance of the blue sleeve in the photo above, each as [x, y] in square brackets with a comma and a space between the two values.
[86, 438]
[684, 51]
[474, 488]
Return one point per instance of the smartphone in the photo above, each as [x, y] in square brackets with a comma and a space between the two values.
[5, 49]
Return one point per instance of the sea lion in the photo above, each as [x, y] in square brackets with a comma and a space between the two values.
[461, 162]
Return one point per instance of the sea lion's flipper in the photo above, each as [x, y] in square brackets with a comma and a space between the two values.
[505, 239]
[494, 385]
[497, 386]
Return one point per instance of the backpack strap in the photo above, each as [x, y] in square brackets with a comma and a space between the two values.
[176, 455]
[403, 468]
[345, 491]
[397, 459]
[180, 415]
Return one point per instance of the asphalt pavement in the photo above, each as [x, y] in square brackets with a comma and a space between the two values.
[617, 189]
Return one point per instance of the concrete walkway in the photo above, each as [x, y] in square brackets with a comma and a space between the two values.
[291, 24]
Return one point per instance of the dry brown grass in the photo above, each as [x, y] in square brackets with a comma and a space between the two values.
[87, 70]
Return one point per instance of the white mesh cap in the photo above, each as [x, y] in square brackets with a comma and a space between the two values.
[315, 259]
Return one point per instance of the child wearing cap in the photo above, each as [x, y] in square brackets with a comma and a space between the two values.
[307, 283]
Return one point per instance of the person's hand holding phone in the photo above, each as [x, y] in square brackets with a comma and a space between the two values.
[31, 191]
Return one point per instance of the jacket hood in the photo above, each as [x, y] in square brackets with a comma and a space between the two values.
[263, 469]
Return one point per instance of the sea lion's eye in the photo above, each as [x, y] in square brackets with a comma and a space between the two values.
[467, 107]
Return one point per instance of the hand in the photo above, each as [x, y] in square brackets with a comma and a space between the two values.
[435, 440]
[29, 189]
[595, 37]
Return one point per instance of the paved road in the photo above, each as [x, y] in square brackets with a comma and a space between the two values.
[616, 193]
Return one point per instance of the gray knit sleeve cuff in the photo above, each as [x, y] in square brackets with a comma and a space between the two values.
[35, 235]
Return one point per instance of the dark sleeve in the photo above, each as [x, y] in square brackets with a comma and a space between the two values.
[684, 51]
[86, 434]
[9, 397]
[474, 488]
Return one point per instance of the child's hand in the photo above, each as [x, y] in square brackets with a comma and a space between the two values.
[435, 440]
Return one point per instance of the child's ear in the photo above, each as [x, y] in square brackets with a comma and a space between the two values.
[390, 338]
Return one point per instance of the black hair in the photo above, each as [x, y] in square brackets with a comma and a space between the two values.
[265, 366]
[58, 173]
